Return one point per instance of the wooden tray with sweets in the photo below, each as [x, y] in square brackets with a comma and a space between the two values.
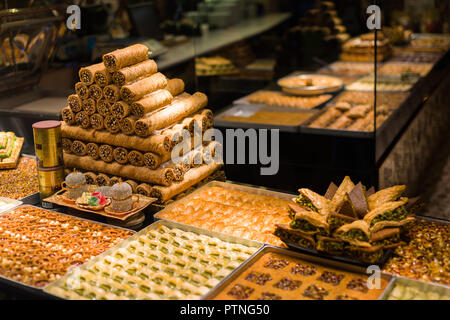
[140, 202]
[12, 161]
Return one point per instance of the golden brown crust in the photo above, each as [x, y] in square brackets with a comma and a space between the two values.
[386, 195]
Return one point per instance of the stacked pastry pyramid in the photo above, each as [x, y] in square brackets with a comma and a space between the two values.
[125, 120]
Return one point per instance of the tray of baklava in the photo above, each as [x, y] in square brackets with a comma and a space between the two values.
[401, 288]
[38, 246]
[165, 260]
[352, 114]
[234, 209]
[279, 274]
[263, 117]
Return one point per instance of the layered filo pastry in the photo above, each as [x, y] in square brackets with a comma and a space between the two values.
[386, 195]
[294, 236]
[330, 245]
[336, 220]
[309, 222]
[314, 202]
[371, 254]
[388, 238]
[345, 187]
[356, 233]
[390, 214]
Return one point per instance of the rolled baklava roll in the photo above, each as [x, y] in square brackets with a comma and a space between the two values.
[151, 102]
[178, 172]
[175, 86]
[209, 116]
[341, 123]
[106, 153]
[170, 114]
[74, 102]
[144, 189]
[133, 184]
[137, 90]
[102, 77]
[82, 90]
[111, 93]
[125, 57]
[90, 177]
[68, 116]
[191, 178]
[97, 121]
[120, 109]
[66, 145]
[160, 176]
[79, 148]
[120, 155]
[82, 118]
[136, 158]
[102, 180]
[127, 125]
[103, 107]
[112, 124]
[89, 106]
[92, 150]
[201, 123]
[152, 160]
[129, 74]
[114, 180]
[87, 73]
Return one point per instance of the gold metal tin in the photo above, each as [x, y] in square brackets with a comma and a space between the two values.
[47, 144]
[50, 180]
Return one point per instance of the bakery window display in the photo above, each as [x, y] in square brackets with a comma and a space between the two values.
[294, 279]
[239, 213]
[160, 262]
[349, 221]
[20, 182]
[126, 118]
[39, 246]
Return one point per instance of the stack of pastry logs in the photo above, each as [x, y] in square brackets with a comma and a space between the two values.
[125, 120]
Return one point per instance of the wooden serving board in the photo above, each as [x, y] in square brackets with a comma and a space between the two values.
[140, 202]
[13, 160]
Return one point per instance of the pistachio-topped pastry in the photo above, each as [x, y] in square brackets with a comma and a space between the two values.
[121, 197]
[76, 184]
[356, 233]
[312, 201]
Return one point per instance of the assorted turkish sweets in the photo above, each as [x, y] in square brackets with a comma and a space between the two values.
[279, 276]
[20, 182]
[348, 220]
[161, 263]
[242, 214]
[426, 256]
[10, 148]
[38, 246]
[362, 48]
[126, 118]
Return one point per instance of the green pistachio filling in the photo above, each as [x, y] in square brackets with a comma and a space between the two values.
[304, 202]
[336, 222]
[331, 246]
[388, 241]
[370, 257]
[396, 215]
[306, 226]
[355, 234]
[293, 238]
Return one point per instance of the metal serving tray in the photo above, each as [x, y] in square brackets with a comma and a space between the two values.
[229, 186]
[246, 110]
[421, 285]
[271, 249]
[170, 224]
[35, 291]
